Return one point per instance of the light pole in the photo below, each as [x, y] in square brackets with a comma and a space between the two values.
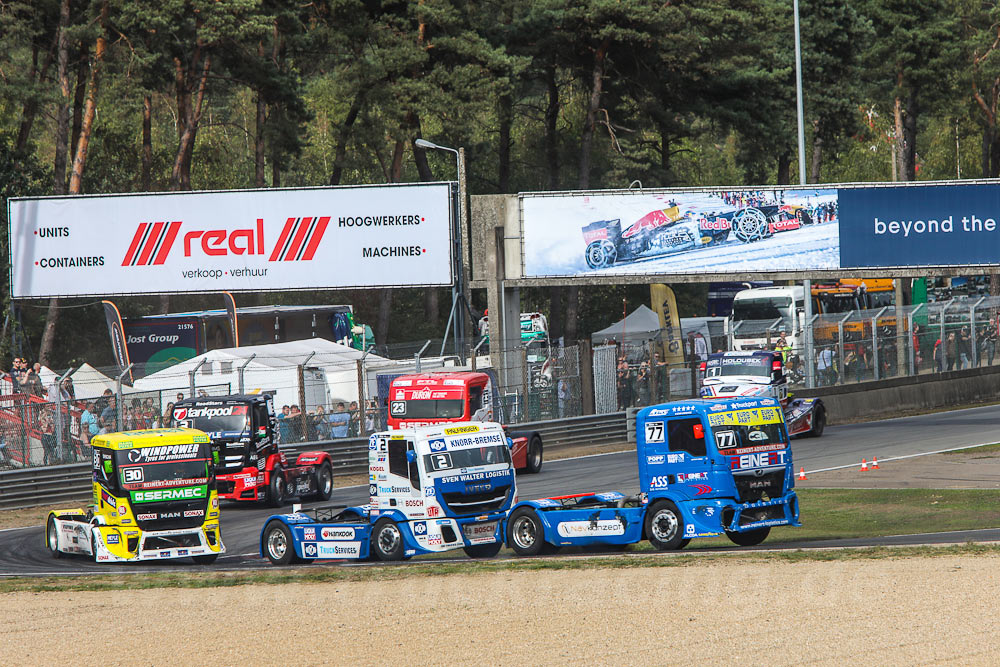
[806, 284]
[458, 214]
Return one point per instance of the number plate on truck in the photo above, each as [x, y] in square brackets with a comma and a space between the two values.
[480, 533]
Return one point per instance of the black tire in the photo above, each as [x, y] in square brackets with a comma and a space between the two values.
[276, 491]
[664, 526]
[819, 422]
[387, 540]
[277, 543]
[93, 544]
[483, 550]
[52, 538]
[750, 538]
[534, 455]
[525, 533]
[324, 482]
[749, 225]
[601, 254]
[205, 559]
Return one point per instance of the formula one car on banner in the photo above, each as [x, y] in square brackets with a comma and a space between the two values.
[672, 230]
[761, 373]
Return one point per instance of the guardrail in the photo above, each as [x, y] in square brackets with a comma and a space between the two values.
[30, 487]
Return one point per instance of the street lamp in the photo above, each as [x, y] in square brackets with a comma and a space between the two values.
[458, 213]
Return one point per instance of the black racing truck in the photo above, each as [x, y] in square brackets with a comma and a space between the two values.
[251, 465]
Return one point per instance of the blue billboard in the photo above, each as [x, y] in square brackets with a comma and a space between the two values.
[933, 225]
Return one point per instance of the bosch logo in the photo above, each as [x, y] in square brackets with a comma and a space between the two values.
[153, 241]
[310, 549]
[420, 528]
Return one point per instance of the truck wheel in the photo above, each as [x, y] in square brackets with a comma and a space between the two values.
[750, 538]
[534, 456]
[525, 533]
[52, 537]
[601, 254]
[664, 526]
[818, 423]
[278, 545]
[387, 540]
[276, 488]
[206, 559]
[324, 482]
[93, 545]
[483, 550]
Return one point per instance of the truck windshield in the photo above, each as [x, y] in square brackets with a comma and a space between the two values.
[164, 467]
[747, 368]
[761, 309]
[429, 409]
[739, 437]
[231, 418]
[467, 458]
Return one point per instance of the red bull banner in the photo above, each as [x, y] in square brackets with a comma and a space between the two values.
[238, 241]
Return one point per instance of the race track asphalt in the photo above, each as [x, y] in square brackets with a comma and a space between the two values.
[22, 550]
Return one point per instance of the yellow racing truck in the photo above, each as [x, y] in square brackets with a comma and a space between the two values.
[154, 498]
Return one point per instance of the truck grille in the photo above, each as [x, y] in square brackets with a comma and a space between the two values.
[174, 511]
[750, 488]
[476, 503]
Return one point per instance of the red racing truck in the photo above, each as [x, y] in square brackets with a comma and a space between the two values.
[436, 398]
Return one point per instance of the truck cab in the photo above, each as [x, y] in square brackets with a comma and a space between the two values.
[439, 398]
[432, 489]
[154, 497]
[706, 468]
[252, 467]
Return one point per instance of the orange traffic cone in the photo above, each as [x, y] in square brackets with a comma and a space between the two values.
[874, 463]
[864, 465]
[802, 473]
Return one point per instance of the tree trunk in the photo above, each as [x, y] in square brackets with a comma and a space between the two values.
[505, 117]
[384, 313]
[910, 138]
[62, 112]
[147, 143]
[188, 115]
[30, 108]
[572, 310]
[83, 68]
[664, 152]
[587, 136]
[258, 147]
[784, 168]
[551, 138]
[432, 307]
[343, 137]
[817, 154]
[396, 169]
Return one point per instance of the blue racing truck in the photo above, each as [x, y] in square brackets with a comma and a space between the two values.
[431, 489]
[706, 468]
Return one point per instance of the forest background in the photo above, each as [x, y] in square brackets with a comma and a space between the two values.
[102, 96]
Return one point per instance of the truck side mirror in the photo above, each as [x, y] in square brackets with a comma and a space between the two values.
[411, 456]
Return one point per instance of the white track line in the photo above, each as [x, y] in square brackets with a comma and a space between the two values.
[905, 456]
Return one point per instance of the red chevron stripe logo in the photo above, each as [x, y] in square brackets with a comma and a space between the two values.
[151, 243]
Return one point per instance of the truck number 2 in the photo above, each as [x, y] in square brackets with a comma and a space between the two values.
[654, 431]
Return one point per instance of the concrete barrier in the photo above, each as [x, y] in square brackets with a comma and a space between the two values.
[889, 398]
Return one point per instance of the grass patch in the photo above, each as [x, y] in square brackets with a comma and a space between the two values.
[334, 573]
[982, 449]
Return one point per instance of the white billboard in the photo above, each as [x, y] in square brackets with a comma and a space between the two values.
[246, 240]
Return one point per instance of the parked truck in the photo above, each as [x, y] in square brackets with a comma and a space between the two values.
[252, 467]
[439, 398]
[706, 468]
[154, 498]
[432, 489]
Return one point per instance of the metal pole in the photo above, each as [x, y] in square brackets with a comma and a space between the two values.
[807, 338]
[972, 327]
[58, 421]
[192, 372]
[243, 368]
[416, 357]
[799, 112]
[363, 393]
[118, 393]
[913, 350]
[840, 342]
[875, 340]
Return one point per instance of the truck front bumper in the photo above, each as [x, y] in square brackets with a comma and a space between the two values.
[122, 544]
[783, 511]
[247, 484]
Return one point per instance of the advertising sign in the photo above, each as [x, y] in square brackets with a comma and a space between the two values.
[156, 344]
[681, 232]
[247, 240]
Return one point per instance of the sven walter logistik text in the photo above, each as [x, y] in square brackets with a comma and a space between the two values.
[947, 225]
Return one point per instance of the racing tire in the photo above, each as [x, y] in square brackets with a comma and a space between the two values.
[664, 526]
[387, 540]
[533, 458]
[279, 548]
[276, 491]
[93, 545]
[483, 550]
[205, 559]
[52, 538]
[818, 423]
[750, 538]
[601, 254]
[750, 225]
[324, 482]
[525, 533]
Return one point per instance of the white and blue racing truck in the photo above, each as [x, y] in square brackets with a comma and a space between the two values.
[432, 489]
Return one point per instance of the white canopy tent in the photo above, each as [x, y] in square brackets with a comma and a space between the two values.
[640, 325]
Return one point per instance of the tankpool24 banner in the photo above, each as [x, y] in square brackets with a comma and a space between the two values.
[761, 230]
[246, 240]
